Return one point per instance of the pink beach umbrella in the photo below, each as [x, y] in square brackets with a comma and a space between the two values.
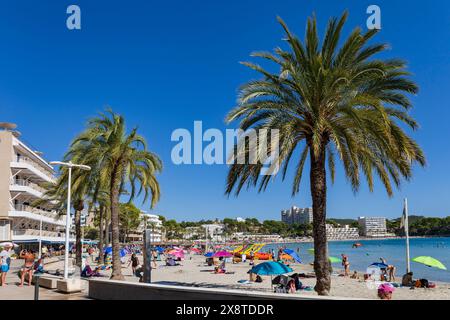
[177, 253]
[224, 254]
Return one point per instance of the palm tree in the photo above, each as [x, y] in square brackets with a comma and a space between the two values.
[121, 160]
[56, 194]
[328, 100]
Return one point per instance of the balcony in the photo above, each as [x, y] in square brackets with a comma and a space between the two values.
[36, 233]
[22, 185]
[34, 168]
[26, 211]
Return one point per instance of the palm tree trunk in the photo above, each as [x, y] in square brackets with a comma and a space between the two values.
[107, 223]
[78, 245]
[322, 266]
[100, 238]
[114, 200]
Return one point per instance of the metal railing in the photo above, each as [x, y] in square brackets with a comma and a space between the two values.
[35, 164]
[28, 208]
[27, 183]
[35, 232]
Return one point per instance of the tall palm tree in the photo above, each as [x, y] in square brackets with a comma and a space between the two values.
[326, 100]
[121, 159]
[56, 195]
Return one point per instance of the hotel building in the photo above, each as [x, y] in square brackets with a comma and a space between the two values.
[151, 222]
[22, 173]
[297, 215]
[341, 232]
[373, 226]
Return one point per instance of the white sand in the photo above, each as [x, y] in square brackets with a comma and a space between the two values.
[194, 272]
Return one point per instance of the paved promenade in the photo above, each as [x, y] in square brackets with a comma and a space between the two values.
[12, 291]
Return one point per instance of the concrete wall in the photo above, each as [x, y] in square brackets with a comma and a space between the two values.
[122, 290]
[5, 171]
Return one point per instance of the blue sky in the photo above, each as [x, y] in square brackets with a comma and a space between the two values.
[164, 65]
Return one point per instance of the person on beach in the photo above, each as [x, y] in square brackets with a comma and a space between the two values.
[154, 258]
[391, 272]
[385, 291]
[134, 261]
[27, 268]
[407, 280]
[5, 259]
[346, 265]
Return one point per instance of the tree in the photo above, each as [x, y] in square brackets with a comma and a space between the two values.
[121, 159]
[129, 219]
[328, 100]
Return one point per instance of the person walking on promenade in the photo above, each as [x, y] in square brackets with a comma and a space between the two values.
[5, 259]
[27, 268]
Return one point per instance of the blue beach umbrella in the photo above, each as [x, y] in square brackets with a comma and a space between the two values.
[159, 249]
[293, 254]
[270, 268]
[123, 253]
[108, 250]
[209, 254]
[379, 265]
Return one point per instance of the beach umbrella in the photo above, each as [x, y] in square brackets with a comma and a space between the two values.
[123, 253]
[159, 249]
[293, 254]
[430, 262]
[379, 265]
[176, 253]
[334, 260]
[224, 254]
[196, 250]
[108, 250]
[209, 254]
[270, 268]
[8, 244]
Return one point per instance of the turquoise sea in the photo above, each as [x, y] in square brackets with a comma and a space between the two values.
[393, 250]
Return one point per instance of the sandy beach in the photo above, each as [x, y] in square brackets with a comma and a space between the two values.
[194, 272]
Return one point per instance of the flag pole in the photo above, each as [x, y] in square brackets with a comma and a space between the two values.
[408, 264]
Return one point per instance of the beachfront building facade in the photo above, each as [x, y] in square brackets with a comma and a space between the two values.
[373, 227]
[341, 232]
[214, 232]
[297, 215]
[151, 222]
[241, 236]
[23, 171]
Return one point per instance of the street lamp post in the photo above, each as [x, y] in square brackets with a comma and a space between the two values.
[70, 165]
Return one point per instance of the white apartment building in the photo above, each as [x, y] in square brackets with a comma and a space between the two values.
[373, 226]
[151, 222]
[22, 172]
[297, 215]
[214, 231]
[341, 232]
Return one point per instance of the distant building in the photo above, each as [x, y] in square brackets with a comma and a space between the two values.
[297, 215]
[151, 222]
[373, 226]
[214, 231]
[239, 219]
[341, 232]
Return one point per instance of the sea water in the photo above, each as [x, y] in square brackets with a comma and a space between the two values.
[393, 250]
